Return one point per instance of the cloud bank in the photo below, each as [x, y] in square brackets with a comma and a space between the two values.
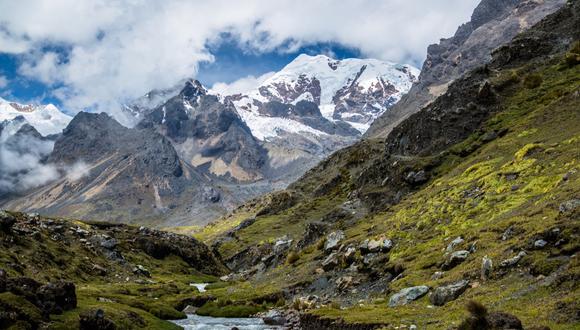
[98, 53]
[21, 161]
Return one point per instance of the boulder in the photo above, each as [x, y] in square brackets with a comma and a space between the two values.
[95, 319]
[540, 244]
[501, 320]
[569, 206]
[330, 262]
[313, 232]
[451, 246]
[57, 297]
[407, 295]
[447, 293]
[374, 246]
[511, 262]
[140, 270]
[189, 309]
[6, 221]
[274, 317]
[455, 259]
[416, 178]
[282, 244]
[349, 255]
[333, 239]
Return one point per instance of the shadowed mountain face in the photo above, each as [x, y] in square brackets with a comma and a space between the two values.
[208, 134]
[493, 23]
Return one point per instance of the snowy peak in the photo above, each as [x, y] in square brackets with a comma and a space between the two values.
[46, 119]
[353, 91]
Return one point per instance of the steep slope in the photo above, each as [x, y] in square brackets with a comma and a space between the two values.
[208, 134]
[493, 23]
[476, 196]
[121, 174]
[57, 274]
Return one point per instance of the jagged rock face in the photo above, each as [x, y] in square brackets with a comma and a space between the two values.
[91, 137]
[353, 91]
[208, 134]
[116, 173]
[493, 23]
[284, 92]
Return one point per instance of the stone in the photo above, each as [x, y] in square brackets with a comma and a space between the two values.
[95, 319]
[486, 268]
[369, 258]
[501, 320]
[455, 259]
[330, 262]
[569, 206]
[274, 317]
[189, 309]
[345, 282]
[6, 221]
[140, 270]
[313, 232]
[416, 178]
[282, 244]
[437, 275]
[540, 244]
[407, 295]
[333, 239]
[451, 246]
[57, 297]
[507, 234]
[447, 293]
[349, 254]
[511, 262]
[374, 246]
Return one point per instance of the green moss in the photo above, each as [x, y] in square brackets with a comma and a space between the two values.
[229, 310]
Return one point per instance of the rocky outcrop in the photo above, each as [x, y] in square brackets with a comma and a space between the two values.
[407, 295]
[447, 293]
[493, 24]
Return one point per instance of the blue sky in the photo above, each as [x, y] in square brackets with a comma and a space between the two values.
[98, 54]
[231, 63]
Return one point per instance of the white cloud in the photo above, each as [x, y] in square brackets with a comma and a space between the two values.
[242, 85]
[3, 81]
[21, 161]
[117, 50]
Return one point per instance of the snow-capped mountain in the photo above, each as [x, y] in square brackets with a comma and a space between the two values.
[46, 119]
[355, 91]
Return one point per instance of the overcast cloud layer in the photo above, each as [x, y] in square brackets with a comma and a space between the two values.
[118, 50]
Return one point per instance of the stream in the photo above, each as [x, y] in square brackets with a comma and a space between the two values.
[197, 322]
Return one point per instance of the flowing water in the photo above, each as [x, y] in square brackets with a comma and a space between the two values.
[196, 322]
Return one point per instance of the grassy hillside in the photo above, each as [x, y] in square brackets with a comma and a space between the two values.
[501, 172]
